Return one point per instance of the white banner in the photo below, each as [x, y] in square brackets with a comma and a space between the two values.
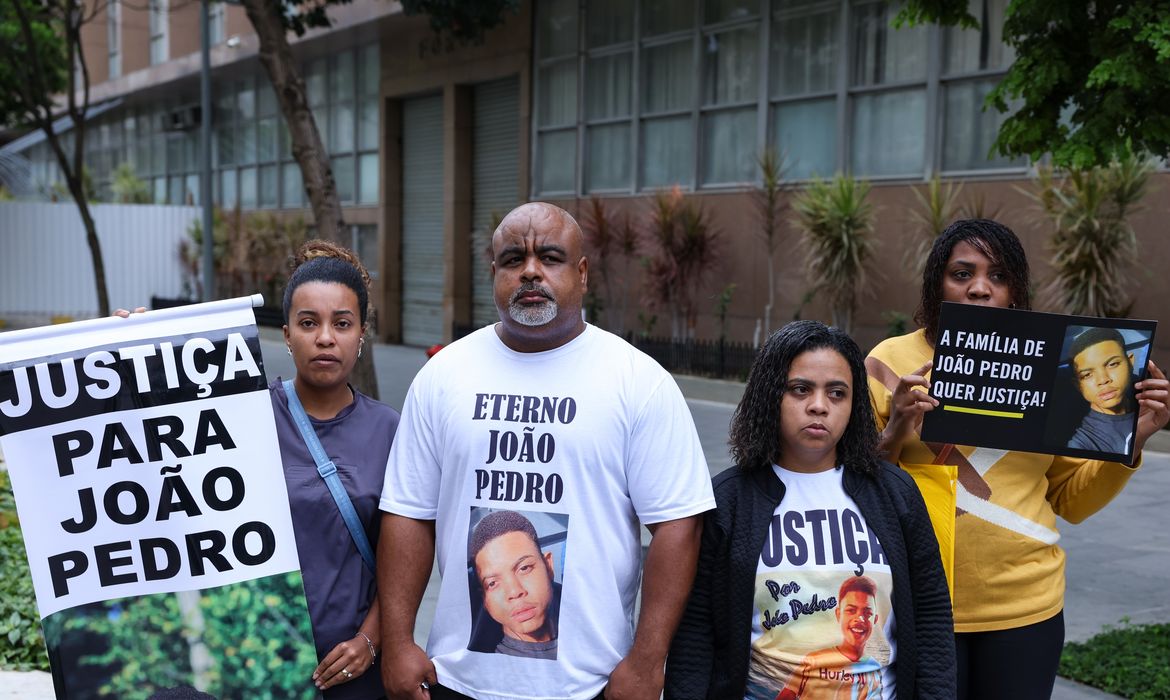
[143, 454]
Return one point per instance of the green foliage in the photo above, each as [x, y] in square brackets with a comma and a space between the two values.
[1092, 79]
[1129, 661]
[251, 253]
[1093, 245]
[722, 304]
[22, 647]
[897, 323]
[259, 646]
[461, 21]
[837, 227]
[18, 90]
[685, 250]
[128, 188]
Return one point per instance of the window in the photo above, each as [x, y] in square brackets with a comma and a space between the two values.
[158, 31]
[645, 94]
[216, 15]
[114, 37]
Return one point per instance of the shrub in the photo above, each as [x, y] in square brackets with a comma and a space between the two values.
[1129, 660]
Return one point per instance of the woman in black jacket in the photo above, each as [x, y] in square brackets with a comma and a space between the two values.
[819, 574]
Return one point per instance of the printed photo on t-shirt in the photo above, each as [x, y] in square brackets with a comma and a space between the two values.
[824, 635]
[515, 561]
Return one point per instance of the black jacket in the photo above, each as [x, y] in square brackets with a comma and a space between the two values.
[710, 653]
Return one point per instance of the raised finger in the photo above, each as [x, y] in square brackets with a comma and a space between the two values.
[921, 371]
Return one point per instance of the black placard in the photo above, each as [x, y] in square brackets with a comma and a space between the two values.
[1037, 382]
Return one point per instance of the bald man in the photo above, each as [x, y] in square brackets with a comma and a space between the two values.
[547, 414]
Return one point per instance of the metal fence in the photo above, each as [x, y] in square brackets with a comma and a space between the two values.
[45, 266]
[705, 358]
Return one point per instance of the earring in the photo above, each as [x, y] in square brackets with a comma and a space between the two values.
[289, 348]
[361, 345]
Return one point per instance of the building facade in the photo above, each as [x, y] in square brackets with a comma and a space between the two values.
[574, 99]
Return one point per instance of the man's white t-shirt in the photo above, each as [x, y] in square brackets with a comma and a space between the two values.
[808, 640]
[585, 441]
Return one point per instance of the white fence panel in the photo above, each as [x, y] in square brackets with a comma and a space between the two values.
[45, 265]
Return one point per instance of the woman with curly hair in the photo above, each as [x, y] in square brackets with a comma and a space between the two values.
[819, 575]
[325, 308]
[1008, 571]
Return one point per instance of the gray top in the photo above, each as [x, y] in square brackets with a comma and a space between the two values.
[1104, 432]
[530, 650]
[338, 586]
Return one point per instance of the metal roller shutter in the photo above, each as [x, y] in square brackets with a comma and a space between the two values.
[422, 220]
[495, 187]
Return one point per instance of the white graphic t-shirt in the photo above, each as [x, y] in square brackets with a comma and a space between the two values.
[823, 626]
[538, 468]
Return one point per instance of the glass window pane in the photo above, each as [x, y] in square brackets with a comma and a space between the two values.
[558, 161]
[366, 247]
[266, 97]
[284, 140]
[667, 152]
[267, 139]
[175, 191]
[315, 82]
[729, 147]
[664, 16]
[368, 179]
[887, 133]
[160, 190]
[805, 48]
[248, 193]
[883, 54]
[341, 133]
[341, 85]
[558, 94]
[806, 134]
[609, 22]
[344, 177]
[368, 125]
[228, 195]
[731, 66]
[246, 143]
[225, 145]
[607, 86]
[158, 155]
[268, 186]
[292, 194]
[370, 59]
[247, 100]
[969, 50]
[192, 186]
[321, 116]
[969, 132]
[723, 10]
[556, 27]
[609, 157]
[669, 77]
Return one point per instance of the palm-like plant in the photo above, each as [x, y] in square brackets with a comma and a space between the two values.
[770, 206]
[684, 252]
[1093, 245]
[837, 226]
[938, 207]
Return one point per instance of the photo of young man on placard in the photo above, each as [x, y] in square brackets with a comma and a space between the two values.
[1095, 386]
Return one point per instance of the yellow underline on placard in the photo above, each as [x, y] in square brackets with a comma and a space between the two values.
[984, 412]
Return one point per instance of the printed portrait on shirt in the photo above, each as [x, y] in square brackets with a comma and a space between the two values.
[515, 561]
[1095, 408]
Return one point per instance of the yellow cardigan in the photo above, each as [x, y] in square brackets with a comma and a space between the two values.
[1008, 570]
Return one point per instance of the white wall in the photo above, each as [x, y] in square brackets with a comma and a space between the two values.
[45, 265]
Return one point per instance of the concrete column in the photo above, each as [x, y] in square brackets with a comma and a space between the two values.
[457, 223]
[389, 292]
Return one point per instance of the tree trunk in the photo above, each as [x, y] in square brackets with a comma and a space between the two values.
[307, 148]
[76, 188]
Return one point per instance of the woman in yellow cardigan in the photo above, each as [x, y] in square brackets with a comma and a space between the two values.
[1008, 571]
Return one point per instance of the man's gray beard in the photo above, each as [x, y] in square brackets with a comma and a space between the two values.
[533, 315]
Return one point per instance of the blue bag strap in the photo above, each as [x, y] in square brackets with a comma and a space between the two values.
[328, 471]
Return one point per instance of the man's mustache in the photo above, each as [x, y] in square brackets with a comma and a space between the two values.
[528, 288]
